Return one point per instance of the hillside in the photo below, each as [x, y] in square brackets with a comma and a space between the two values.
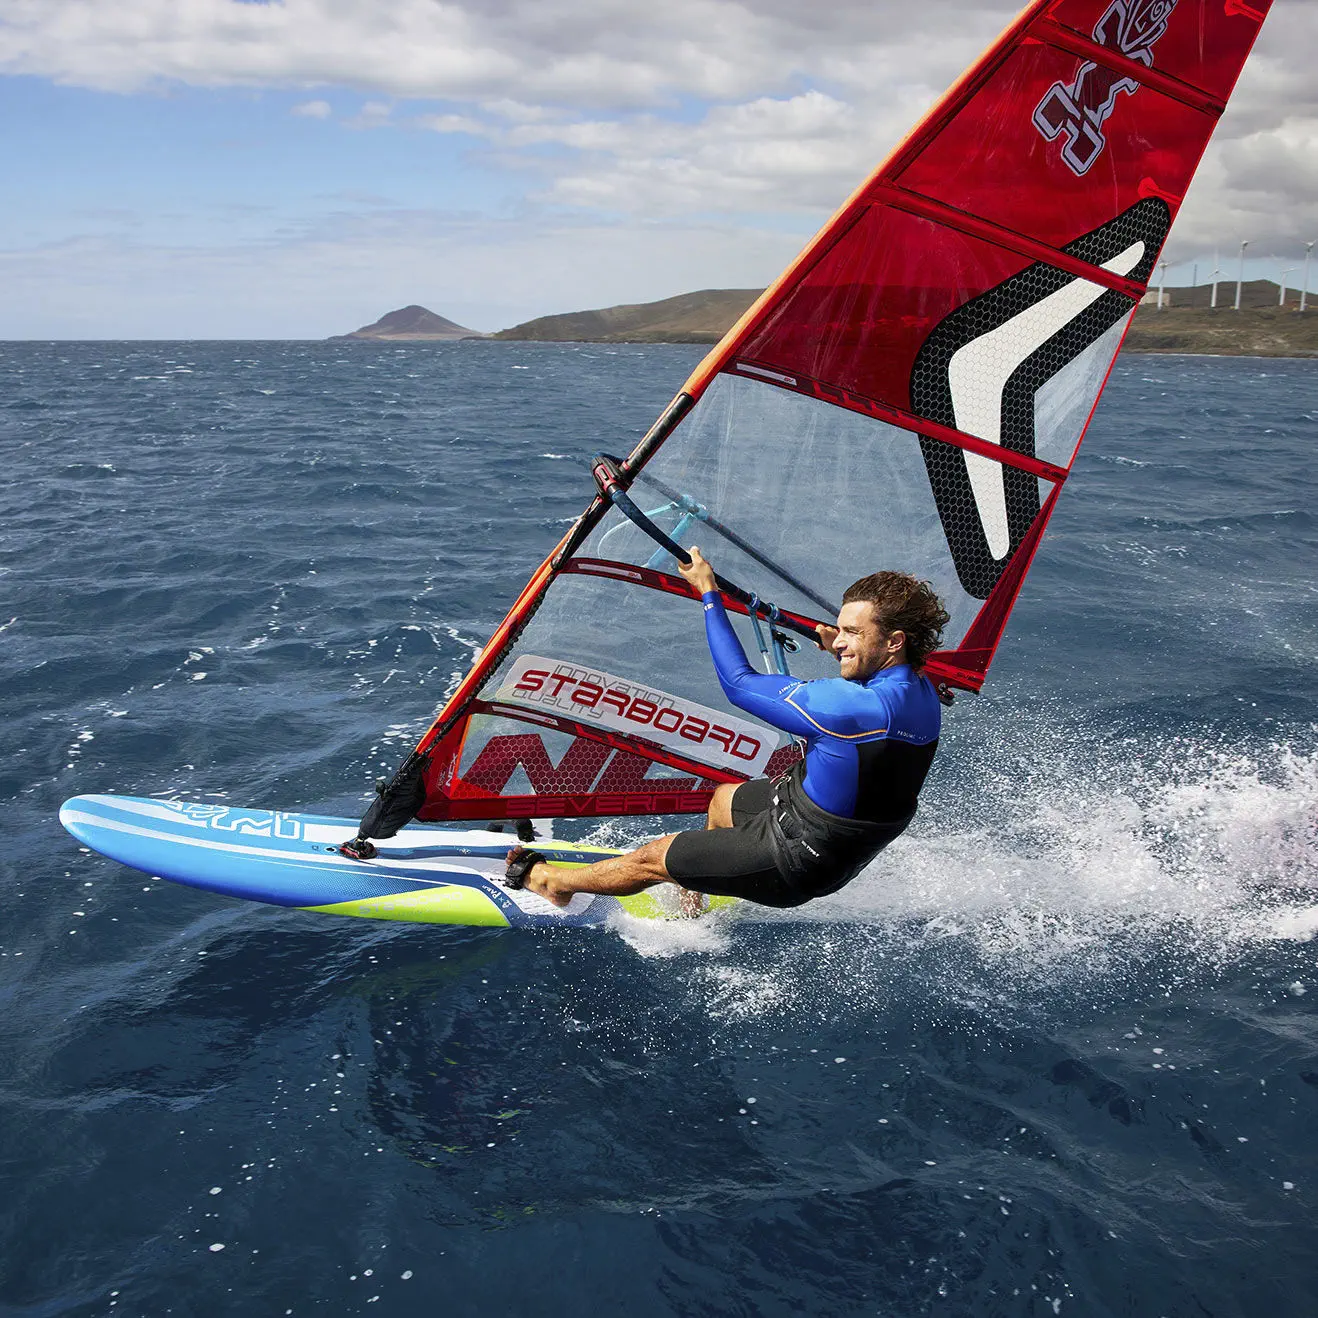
[1261, 328]
[1185, 324]
[702, 317]
[409, 325]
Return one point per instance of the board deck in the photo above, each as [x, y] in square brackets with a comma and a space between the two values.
[423, 875]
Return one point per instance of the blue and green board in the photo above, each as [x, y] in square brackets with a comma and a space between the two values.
[423, 875]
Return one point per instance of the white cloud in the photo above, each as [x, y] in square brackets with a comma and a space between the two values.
[465, 124]
[800, 153]
[373, 114]
[574, 52]
[313, 110]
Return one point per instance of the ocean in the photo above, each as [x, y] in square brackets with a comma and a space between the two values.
[1057, 1053]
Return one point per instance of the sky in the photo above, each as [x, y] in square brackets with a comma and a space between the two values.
[296, 168]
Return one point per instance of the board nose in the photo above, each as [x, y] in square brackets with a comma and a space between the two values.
[71, 816]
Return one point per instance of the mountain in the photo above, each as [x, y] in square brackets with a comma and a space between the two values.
[701, 317]
[411, 324]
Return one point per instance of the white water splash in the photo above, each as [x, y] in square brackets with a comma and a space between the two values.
[1058, 872]
[709, 935]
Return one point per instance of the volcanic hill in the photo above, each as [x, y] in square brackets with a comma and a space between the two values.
[412, 324]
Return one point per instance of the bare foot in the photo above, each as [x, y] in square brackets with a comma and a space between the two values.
[538, 880]
[691, 903]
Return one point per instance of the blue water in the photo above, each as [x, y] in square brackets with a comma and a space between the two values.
[1058, 1054]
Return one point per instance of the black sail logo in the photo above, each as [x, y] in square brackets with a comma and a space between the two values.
[982, 366]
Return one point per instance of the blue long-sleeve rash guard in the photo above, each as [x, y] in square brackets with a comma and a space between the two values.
[868, 744]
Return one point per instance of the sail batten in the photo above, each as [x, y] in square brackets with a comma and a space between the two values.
[904, 420]
[977, 226]
[1085, 48]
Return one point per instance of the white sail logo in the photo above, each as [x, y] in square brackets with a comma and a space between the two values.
[979, 371]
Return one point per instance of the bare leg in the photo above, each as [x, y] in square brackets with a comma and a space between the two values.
[620, 876]
[720, 806]
[719, 816]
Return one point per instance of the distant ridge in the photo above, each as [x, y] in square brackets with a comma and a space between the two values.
[1261, 328]
[702, 317]
[411, 324]
[1185, 323]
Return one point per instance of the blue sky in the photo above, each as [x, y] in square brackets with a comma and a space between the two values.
[210, 168]
[200, 166]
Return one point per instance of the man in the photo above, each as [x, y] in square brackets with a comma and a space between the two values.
[870, 737]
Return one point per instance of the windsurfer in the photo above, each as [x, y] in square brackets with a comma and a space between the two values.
[870, 737]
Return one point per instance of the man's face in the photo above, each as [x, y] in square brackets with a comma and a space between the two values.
[861, 647]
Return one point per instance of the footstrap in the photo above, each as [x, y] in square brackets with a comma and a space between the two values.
[520, 865]
[358, 848]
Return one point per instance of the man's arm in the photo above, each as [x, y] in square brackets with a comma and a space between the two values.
[761, 694]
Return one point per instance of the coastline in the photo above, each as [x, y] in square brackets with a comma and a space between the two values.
[340, 341]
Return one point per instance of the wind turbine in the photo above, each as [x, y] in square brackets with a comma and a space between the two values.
[1304, 290]
[1240, 279]
[1162, 279]
[1281, 300]
[1217, 270]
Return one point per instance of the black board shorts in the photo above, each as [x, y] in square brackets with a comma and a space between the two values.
[782, 849]
[741, 861]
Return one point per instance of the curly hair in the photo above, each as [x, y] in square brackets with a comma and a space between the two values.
[903, 604]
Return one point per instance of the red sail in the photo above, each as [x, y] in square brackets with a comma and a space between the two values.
[910, 393]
